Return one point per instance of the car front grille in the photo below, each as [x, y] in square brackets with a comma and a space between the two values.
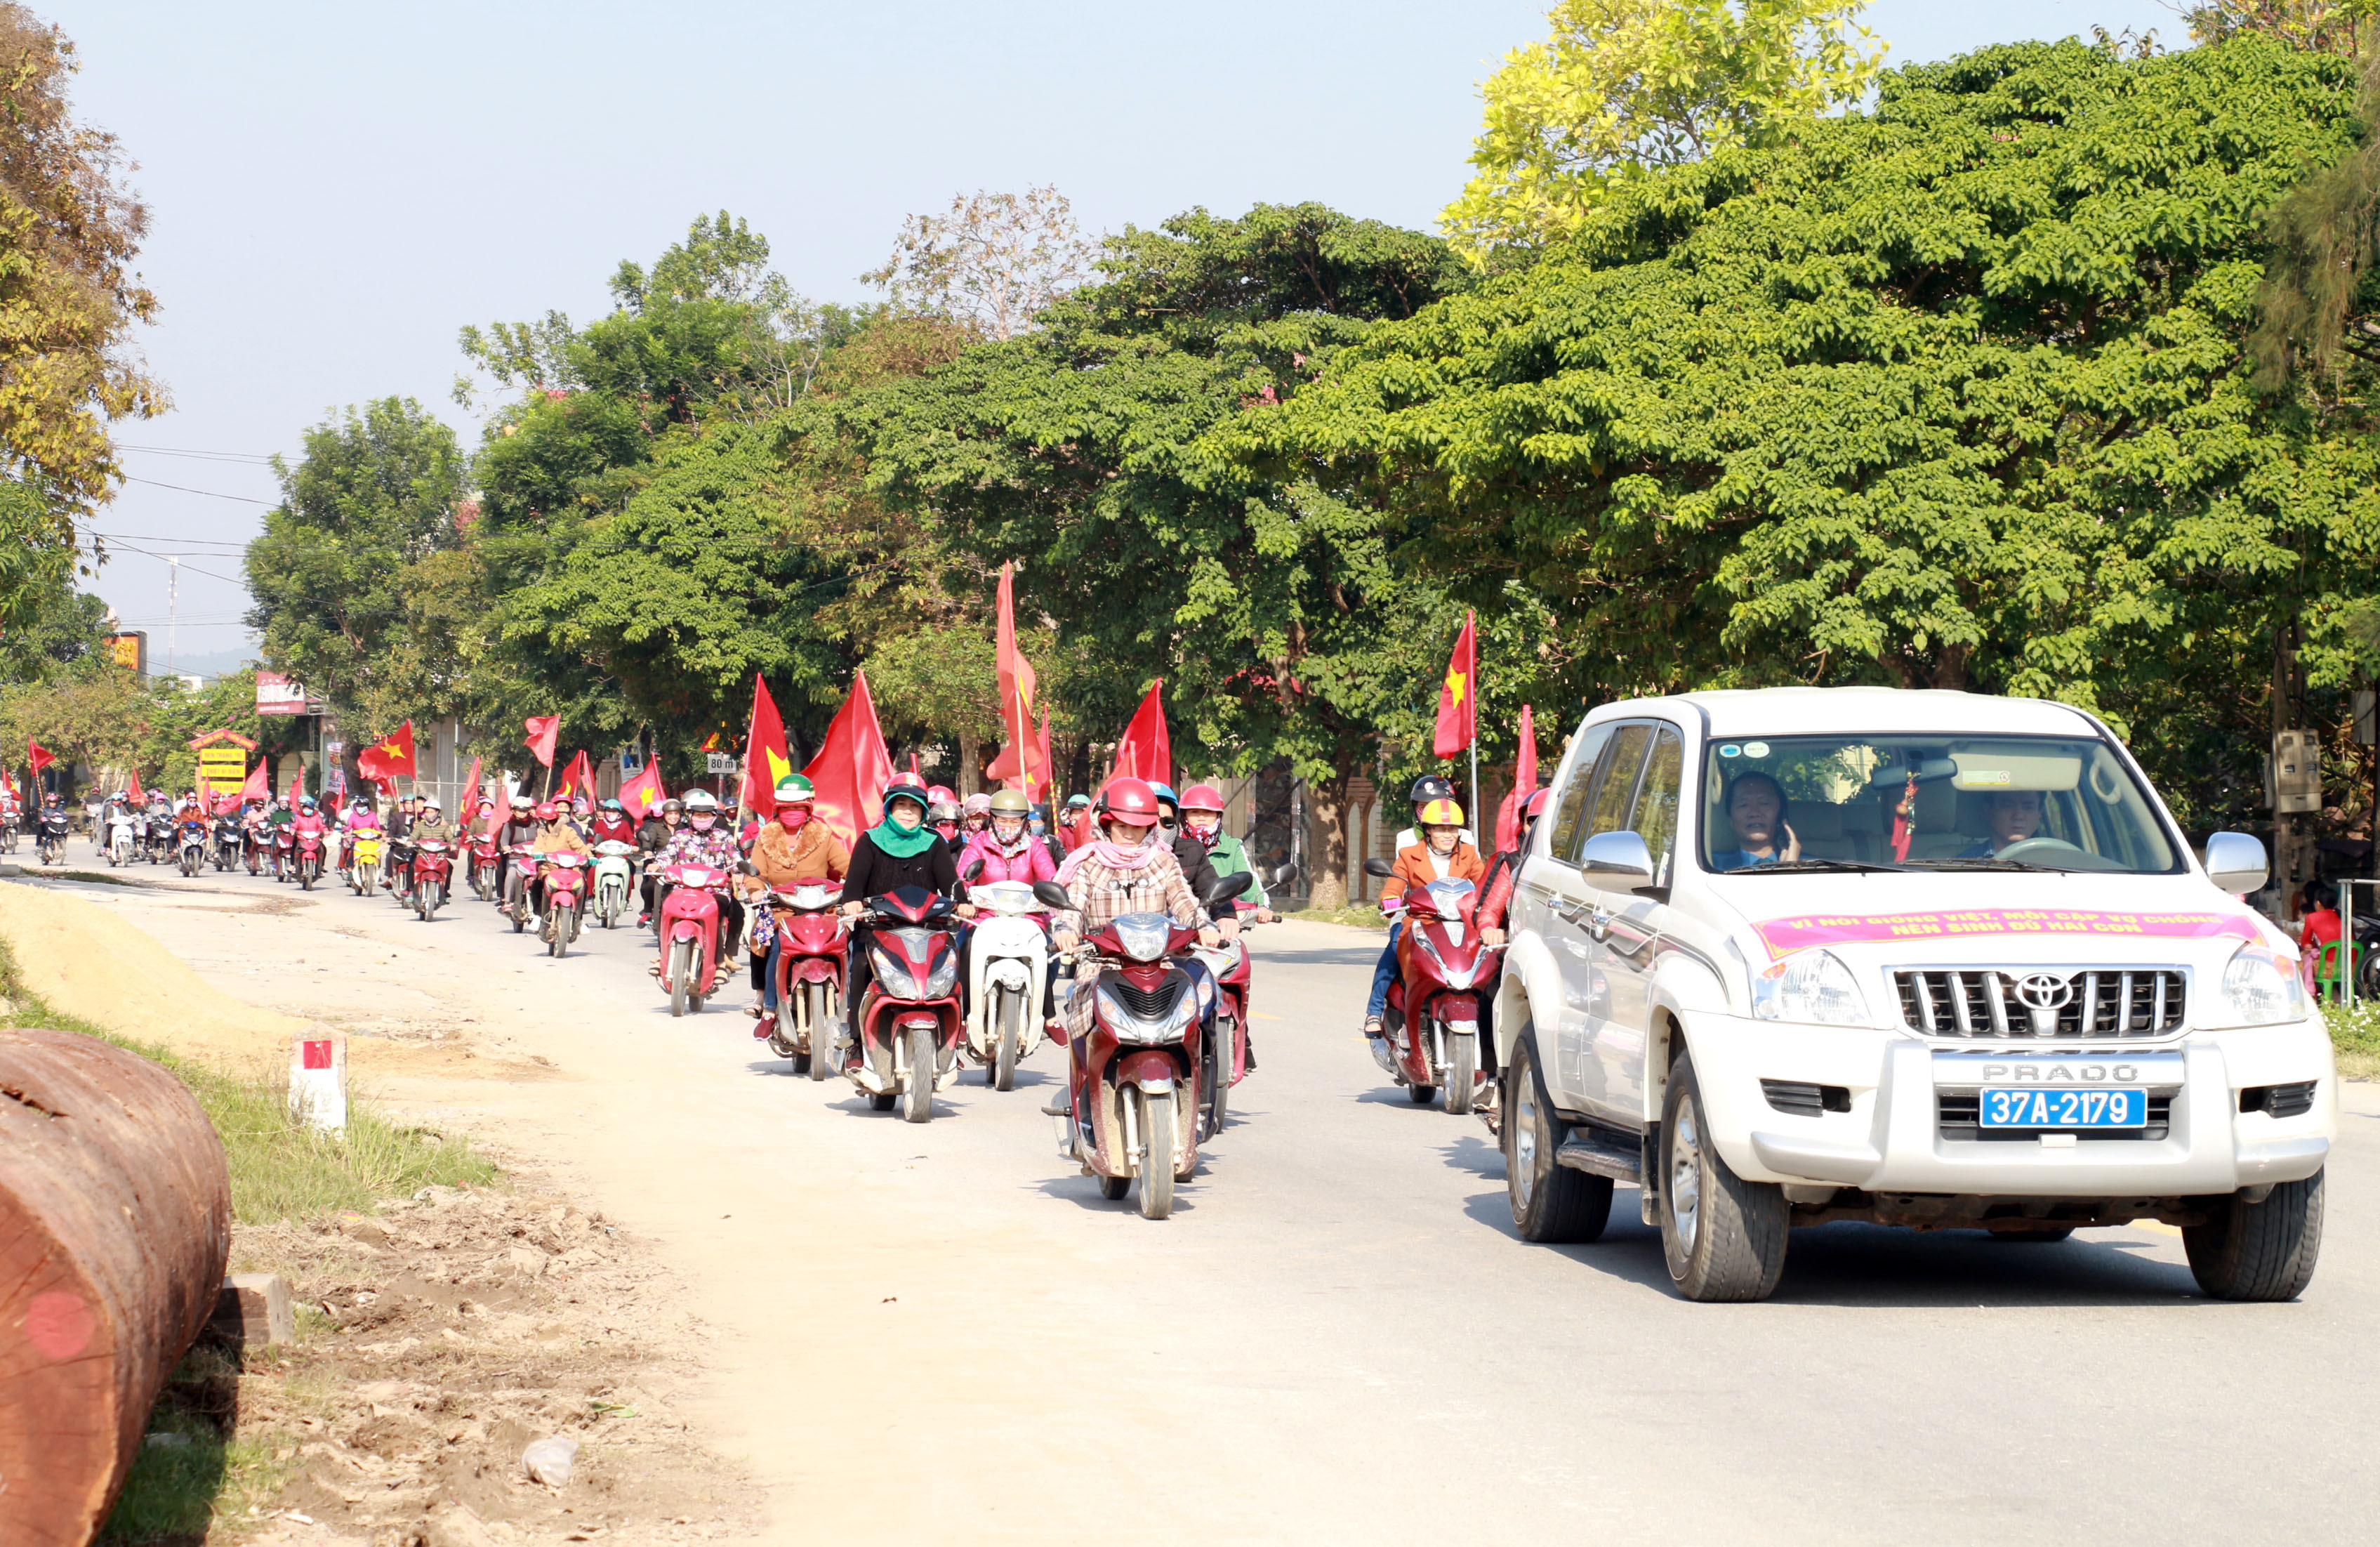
[2033, 1002]
[1957, 1116]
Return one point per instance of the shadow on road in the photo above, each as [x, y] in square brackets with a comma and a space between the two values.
[1865, 1266]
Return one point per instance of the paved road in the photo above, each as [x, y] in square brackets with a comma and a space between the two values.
[940, 1334]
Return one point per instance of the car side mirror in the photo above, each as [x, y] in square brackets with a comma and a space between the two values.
[1226, 887]
[1380, 870]
[1617, 855]
[2235, 861]
[1048, 893]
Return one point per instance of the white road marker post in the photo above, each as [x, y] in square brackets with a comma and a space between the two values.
[317, 1079]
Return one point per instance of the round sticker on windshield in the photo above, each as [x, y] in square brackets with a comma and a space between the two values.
[1756, 748]
[1731, 751]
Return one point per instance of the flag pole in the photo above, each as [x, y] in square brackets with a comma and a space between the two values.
[1470, 626]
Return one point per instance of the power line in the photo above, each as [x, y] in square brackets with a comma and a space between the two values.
[250, 457]
[210, 494]
[154, 537]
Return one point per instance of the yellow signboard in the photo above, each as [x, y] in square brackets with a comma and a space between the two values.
[223, 768]
[129, 651]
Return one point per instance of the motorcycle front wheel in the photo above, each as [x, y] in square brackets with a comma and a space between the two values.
[1156, 1153]
[918, 1096]
[823, 1013]
[681, 977]
[1462, 1073]
[558, 934]
[1215, 1100]
[1008, 1015]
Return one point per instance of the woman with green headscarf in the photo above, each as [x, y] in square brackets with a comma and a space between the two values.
[899, 851]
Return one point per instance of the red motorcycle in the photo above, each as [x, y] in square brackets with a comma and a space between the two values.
[255, 842]
[809, 976]
[1433, 1014]
[1227, 1050]
[517, 874]
[308, 858]
[689, 928]
[484, 856]
[285, 851]
[910, 1028]
[433, 874]
[1133, 1080]
[563, 878]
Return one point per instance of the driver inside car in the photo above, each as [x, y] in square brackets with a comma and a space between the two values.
[2013, 815]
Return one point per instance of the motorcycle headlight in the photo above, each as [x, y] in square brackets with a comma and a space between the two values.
[2261, 988]
[894, 976]
[1812, 986]
[945, 976]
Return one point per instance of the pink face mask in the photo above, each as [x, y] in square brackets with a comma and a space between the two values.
[795, 818]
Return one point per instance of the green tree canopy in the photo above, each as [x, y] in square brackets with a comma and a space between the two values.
[1952, 393]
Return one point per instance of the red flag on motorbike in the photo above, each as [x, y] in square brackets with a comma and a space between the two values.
[852, 769]
[543, 731]
[577, 779]
[1524, 784]
[41, 757]
[255, 787]
[1147, 752]
[643, 793]
[1022, 760]
[766, 759]
[1458, 697]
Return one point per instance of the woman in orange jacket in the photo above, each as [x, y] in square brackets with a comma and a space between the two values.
[1441, 856]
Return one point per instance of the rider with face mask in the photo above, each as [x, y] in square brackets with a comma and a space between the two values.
[1441, 856]
[1129, 868]
[796, 847]
[703, 841]
[1190, 854]
[1202, 821]
[942, 816]
[901, 850]
[654, 835]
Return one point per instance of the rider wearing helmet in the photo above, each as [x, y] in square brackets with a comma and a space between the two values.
[1129, 868]
[942, 816]
[1197, 869]
[555, 835]
[1429, 787]
[1202, 823]
[520, 829]
[1441, 856]
[901, 850]
[792, 849]
[611, 824]
[1074, 823]
[1007, 851]
[432, 826]
[653, 833]
[703, 841]
[975, 815]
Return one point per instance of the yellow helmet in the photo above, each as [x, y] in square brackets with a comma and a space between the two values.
[1441, 813]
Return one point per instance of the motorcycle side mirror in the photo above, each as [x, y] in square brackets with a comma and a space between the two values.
[974, 871]
[1048, 893]
[1379, 869]
[1225, 887]
[745, 866]
[1281, 875]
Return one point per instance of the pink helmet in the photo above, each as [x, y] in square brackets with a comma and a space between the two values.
[1202, 797]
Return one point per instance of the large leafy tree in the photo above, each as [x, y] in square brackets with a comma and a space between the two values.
[1952, 393]
[69, 233]
[1086, 450]
[346, 575]
[1619, 87]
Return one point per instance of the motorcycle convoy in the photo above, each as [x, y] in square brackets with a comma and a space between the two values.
[1162, 1040]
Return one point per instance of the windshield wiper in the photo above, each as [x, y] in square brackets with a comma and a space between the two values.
[1978, 862]
[1818, 864]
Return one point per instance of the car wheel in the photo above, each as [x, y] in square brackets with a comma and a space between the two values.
[1551, 1203]
[1724, 1237]
[2259, 1251]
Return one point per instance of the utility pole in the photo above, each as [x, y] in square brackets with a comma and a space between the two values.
[173, 611]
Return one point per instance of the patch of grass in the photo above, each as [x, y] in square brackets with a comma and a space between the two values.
[199, 1481]
[280, 1168]
[2355, 1038]
[1362, 916]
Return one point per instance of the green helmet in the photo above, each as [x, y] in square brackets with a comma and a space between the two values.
[795, 790]
[1010, 802]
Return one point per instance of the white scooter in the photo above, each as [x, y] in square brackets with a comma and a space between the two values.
[1008, 965]
[615, 880]
[123, 838]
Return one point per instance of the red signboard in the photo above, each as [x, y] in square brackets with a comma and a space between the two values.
[276, 694]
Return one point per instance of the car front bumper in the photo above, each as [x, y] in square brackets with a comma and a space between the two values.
[1891, 1139]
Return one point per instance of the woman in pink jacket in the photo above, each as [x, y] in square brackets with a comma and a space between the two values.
[1007, 851]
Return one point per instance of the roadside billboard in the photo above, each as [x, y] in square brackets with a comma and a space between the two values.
[129, 651]
[221, 770]
[276, 694]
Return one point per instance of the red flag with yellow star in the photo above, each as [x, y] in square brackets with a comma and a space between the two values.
[392, 757]
[1458, 701]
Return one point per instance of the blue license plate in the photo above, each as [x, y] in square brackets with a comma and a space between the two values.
[2008, 1107]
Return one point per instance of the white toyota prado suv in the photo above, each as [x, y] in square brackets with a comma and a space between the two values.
[1936, 960]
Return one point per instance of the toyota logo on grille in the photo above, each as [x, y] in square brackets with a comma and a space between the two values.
[2044, 991]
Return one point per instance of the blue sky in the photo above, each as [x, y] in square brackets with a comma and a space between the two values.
[336, 190]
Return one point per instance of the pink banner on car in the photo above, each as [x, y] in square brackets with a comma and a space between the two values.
[1785, 936]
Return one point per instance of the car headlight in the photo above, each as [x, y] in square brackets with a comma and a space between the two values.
[2261, 988]
[1813, 986]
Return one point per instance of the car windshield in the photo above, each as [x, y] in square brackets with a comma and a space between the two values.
[1926, 802]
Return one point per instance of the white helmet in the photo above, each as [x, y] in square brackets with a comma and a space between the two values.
[701, 800]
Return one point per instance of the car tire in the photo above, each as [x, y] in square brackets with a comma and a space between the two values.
[1551, 1204]
[2259, 1251]
[1724, 1237]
